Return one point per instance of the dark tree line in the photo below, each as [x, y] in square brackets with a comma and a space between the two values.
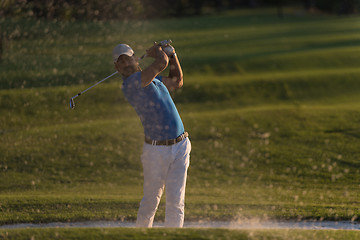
[141, 9]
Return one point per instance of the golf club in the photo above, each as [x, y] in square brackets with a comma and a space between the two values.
[72, 103]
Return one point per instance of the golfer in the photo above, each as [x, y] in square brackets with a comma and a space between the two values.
[166, 151]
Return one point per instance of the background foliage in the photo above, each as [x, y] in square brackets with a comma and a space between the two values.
[144, 9]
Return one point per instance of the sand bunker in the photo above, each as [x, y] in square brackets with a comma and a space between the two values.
[348, 225]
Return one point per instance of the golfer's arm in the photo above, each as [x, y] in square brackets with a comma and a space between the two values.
[175, 78]
[149, 73]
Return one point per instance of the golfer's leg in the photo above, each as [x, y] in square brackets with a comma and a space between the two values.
[154, 181]
[148, 207]
[175, 187]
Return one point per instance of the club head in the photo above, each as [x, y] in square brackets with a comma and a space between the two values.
[72, 103]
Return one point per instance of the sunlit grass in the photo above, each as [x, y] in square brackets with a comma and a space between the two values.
[282, 161]
[188, 234]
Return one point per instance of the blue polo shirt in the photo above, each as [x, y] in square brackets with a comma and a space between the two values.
[155, 107]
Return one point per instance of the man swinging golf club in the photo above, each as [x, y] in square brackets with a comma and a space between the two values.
[166, 151]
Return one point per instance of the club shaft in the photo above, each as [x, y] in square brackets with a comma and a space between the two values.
[94, 85]
[72, 103]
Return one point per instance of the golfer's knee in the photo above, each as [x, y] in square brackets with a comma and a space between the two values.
[177, 207]
[150, 204]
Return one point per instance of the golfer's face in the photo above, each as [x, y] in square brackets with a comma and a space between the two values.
[127, 65]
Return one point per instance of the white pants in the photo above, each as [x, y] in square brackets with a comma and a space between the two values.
[164, 166]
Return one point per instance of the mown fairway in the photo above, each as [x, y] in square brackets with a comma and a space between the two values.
[173, 234]
[272, 107]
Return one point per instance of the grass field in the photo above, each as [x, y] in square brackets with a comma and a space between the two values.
[172, 234]
[272, 107]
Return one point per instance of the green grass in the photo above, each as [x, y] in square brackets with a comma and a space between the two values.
[272, 107]
[116, 233]
[289, 162]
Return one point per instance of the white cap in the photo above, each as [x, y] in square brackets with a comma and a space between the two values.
[120, 50]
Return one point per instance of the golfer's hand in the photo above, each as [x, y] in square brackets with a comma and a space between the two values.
[154, 51]
[169, 50]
